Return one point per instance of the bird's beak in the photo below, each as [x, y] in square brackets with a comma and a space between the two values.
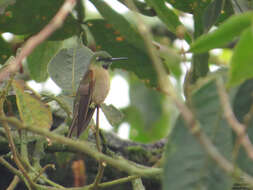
[118, 58]
[111, 59]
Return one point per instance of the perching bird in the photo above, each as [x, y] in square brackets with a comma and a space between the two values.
[92, 91]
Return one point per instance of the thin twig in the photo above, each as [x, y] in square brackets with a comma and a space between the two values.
[35, 40]
[43, 170]
[101, 165]
[231, 119]
[97, 131]
[15, 154]
[13, 183]
[89, 187]
[246, 119]
[10, 167]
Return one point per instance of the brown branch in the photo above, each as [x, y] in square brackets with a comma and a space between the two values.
[35, 40]
[231, 119]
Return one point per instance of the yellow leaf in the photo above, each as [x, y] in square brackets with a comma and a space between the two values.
[32, 111]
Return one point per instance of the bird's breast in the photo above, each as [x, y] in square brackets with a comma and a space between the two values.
[101, 86]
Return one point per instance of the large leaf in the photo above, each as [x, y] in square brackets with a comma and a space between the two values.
[40, 57]
[226, 32]
[18, 20]
[5, 51]
[111, 40]
[31, 110]
[242, 59]
[243, 110]
[187, 164]
[128, 30]
[68, 67]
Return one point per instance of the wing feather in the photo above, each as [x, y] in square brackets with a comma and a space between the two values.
[82, 104]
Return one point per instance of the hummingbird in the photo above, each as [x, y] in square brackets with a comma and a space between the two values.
[92, 91]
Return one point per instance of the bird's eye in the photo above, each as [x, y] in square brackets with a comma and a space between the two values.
[105, 66]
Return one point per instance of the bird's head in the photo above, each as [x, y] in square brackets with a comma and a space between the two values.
[105, 59]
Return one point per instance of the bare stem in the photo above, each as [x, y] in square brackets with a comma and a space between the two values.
[233, 122]
[43, 170]
[101, 165]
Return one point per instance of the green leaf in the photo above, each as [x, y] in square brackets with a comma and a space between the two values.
[241, 63]
[190, 6]
[5, 51]
[187, 165]
[226, 32]
[242, 107]
[31, 110]
[212, 13]
[171, 61]
[113, 115]
[115, 43]
[18, 20]
[126, 29]
[146, 115]
[68, 66]
[167, 15]
[39, 59]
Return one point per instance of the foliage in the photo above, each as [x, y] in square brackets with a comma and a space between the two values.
[204, 116]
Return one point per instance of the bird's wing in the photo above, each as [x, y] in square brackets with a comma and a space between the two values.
[82, 104]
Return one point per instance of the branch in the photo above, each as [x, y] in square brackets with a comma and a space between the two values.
[233, 122]
[10, 167]
[35, 40]
[85, 147]
[15, 154]
[14, 183]
[90, 187]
